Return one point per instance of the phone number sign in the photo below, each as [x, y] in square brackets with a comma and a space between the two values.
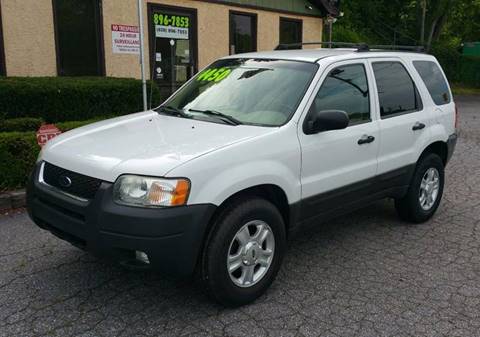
[171, 26]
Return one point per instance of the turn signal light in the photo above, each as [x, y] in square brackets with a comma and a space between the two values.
[180, 194]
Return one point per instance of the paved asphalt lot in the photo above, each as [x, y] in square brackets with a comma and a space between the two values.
[366, 274]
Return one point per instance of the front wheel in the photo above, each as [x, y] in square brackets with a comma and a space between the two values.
[425, 192]
[244, 252]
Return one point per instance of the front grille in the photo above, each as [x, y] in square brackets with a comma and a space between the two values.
[79, 185]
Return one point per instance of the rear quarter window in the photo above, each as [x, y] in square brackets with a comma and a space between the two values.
[434, 80]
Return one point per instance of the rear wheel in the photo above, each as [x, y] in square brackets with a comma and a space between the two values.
[244, 252]
[425, 191]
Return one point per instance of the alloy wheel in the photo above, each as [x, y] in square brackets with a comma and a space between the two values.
[250, 254]
[429, 189]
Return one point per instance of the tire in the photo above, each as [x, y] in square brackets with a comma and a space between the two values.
[411, 208]
[250, 213]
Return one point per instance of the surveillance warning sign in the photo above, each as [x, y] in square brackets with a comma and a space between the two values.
[125, 39]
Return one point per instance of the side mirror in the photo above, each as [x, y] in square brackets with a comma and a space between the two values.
[325, 120]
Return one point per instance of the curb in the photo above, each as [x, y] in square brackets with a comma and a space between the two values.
[12, 199]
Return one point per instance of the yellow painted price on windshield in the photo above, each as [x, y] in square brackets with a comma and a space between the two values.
[214, 75]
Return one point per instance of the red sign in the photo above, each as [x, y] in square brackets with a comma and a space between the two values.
[127, 29]
[47, 132]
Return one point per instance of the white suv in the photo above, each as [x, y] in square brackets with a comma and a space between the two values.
[251, 150]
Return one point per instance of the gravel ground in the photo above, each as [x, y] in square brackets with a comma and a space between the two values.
[366, 274]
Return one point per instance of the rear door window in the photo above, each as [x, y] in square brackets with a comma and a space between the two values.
[397, 92]
[434, 81]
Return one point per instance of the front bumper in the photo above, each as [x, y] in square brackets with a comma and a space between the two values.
[171, 237]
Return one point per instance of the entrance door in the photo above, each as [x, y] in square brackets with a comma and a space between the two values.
[173, 46]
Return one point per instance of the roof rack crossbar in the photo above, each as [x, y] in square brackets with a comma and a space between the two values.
[361, 47]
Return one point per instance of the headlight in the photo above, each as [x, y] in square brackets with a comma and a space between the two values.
[149, 191]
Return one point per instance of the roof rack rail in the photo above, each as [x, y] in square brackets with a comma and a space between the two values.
[360, 47]
[418, 49]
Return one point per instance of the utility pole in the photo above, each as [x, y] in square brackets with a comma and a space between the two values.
[142, 53]
[424, 15]
[330, 33]
[330, 20]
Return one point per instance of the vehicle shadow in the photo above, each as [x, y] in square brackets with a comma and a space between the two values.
[80, 288]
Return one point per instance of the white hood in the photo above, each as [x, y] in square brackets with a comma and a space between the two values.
[144, 143]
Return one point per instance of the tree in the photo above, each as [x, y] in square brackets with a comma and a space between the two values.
[422, 7]
[465, 22]
[439, 11]
[418, 22]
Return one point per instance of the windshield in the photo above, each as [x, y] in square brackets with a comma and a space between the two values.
[245, 91]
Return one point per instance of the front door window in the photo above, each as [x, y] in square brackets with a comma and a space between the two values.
[346, 89]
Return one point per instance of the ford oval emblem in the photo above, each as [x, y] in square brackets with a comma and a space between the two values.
[65, 181]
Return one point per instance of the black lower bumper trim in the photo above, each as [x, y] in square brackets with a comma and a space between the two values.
[451, 144]
[171, 237]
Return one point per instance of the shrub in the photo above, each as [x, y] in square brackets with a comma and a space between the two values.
[461, 69]
[469, 70]
[19, 151]
[449, 57]
[346, 34]
[66, 126]
[20, 124]
[57, 99]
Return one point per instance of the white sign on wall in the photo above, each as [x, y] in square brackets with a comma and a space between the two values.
[170, 32]
[125, 39]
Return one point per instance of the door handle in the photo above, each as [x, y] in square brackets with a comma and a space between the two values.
[366, 139]
[418, 126]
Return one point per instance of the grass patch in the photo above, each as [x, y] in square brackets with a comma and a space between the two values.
[460, 89]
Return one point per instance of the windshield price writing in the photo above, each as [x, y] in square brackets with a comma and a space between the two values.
[214, 75]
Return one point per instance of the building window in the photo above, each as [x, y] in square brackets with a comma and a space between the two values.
[243, 32]
[3, 70]
[290, 31]
[79, 40]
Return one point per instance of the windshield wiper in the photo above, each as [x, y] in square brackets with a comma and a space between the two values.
[227, 118]
[173, 111]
